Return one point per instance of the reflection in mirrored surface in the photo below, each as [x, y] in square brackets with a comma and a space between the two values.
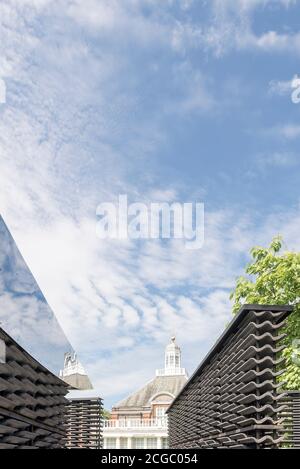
[2, 351]
[24, 312]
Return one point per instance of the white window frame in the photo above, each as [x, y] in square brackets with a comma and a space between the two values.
[123, 442]
[152, 443]
[111, 443]
[138, 443]
[164, 443]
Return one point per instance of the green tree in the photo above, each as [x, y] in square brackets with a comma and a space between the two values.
[273, 277]
[105, 414]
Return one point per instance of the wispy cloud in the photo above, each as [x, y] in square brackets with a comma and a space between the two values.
[231, 28]
[277, 160]
[289, 131]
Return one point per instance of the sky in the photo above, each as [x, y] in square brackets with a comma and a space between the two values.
[162, 101]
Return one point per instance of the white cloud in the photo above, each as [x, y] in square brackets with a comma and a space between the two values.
[230, 28]
[229, 25]
[273, 41]
[95, 14]
[124, 19]
[194, 93]
[288, 131]
[277, 159]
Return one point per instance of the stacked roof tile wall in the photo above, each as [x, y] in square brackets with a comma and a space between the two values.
[292, 419]
[233, 399]
[32, 401]
[84, 423]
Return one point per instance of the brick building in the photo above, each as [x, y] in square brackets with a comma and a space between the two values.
[139, 421]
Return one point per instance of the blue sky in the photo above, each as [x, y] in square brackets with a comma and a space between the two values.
[163, 101]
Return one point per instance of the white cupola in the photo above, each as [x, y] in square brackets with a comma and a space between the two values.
[172, 361]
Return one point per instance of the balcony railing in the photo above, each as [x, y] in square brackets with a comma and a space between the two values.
[136, 423]
[171, 372]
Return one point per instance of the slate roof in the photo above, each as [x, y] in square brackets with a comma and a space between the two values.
[160, 384]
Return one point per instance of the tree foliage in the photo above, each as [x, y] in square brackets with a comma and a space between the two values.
[273, 277]
[106, 414]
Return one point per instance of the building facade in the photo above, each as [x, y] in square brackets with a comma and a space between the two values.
[140, 421]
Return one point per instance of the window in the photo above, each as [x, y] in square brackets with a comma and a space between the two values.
[164, 443]
[111, 443]
[160, 412]
[123, 443]
[138, 443]
[2, 351]
[151, 443]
